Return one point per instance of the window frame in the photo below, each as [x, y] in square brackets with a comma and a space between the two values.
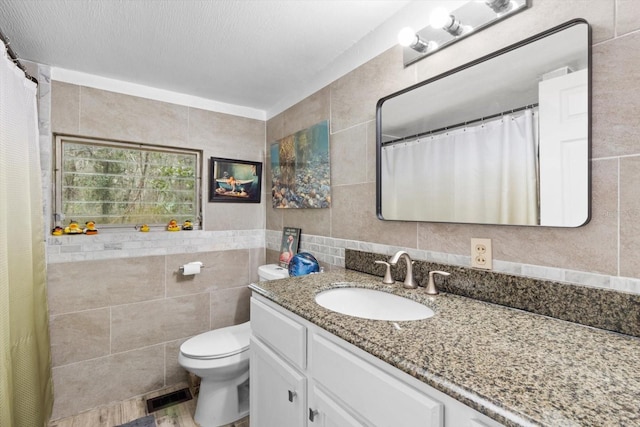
[57, 175]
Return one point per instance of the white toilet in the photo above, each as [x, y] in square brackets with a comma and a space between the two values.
[272, 272]
[221, 359]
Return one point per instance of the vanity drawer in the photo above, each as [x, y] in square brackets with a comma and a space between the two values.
[284, 335]
[372, 393]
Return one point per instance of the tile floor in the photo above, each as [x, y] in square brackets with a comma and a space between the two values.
[180, 415]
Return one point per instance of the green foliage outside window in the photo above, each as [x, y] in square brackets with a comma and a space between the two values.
[125, 184]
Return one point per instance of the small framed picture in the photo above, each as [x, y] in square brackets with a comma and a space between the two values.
[234, 181]
[289, 246]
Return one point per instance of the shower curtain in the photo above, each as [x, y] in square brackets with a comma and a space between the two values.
[486, 173]
[26, 395]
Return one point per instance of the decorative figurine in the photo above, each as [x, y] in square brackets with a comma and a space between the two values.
[73, 228]
[90, 228]
[173, 225]
[57, 231]
[188, 225]
[144, 228]
[303, 263]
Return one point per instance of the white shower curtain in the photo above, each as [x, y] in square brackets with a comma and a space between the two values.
[25, 364]
[485, 173]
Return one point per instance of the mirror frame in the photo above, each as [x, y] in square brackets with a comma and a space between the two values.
[470, 64]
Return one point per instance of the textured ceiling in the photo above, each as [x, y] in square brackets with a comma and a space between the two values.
[251, 53]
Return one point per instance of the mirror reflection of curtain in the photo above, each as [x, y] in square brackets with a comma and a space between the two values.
[25, 363]
[483, 173]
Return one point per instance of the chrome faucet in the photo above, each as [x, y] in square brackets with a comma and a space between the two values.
[409, 281]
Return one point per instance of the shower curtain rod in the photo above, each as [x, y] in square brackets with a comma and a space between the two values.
[451, 127]
[15, 59]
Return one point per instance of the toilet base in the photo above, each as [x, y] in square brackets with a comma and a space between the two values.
[222, 402]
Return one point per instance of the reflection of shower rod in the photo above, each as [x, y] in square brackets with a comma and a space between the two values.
[451, 127]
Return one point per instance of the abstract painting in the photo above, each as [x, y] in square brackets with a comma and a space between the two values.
[300, 169]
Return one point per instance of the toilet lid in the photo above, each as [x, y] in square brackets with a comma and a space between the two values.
[218, 343]
[272, 272]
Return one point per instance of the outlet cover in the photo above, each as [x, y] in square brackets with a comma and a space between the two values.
[481, 256]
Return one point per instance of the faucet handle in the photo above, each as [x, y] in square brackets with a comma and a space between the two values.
[387, 275]
[431, 286]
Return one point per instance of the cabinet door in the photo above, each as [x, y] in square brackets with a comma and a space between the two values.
[278, 391]
[280, 332]
[369, 392]
[325, 412]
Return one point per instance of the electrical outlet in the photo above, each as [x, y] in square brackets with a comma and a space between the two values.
[481, 254]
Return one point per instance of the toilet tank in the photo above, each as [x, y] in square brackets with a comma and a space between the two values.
[272, 272]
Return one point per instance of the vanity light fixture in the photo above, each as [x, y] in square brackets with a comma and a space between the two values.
[441, 18]
[408, 38]
[500, 6]
[466, 20]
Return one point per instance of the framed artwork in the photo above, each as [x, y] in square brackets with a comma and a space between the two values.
[300, 169]
[234, 181]
[289, 246]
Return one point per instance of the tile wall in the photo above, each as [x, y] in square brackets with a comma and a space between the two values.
[117, 324]
[85, 111]
[118, 307]
[601, 253]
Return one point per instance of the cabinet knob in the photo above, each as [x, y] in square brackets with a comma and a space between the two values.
[292, 394]
[312, 414]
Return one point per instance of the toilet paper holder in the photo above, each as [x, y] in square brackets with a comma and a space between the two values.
[181, 268]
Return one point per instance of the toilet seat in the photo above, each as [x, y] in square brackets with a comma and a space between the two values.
[219, 343]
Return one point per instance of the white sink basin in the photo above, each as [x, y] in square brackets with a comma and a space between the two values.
[372, 304]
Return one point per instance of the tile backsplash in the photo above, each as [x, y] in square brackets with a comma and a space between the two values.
[331, 251]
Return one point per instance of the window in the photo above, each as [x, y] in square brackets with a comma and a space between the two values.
[125, 184]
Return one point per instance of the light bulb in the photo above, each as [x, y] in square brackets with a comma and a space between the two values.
[500, 7]
[439, 17]
[512, 6]
[406, 36]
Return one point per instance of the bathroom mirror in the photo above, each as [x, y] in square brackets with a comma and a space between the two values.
[504, 139]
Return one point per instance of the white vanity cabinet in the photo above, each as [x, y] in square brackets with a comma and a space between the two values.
[278, 356]
[303, 376]
[278, 391]
[380, 398]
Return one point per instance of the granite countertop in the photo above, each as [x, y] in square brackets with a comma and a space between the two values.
[518, 368]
